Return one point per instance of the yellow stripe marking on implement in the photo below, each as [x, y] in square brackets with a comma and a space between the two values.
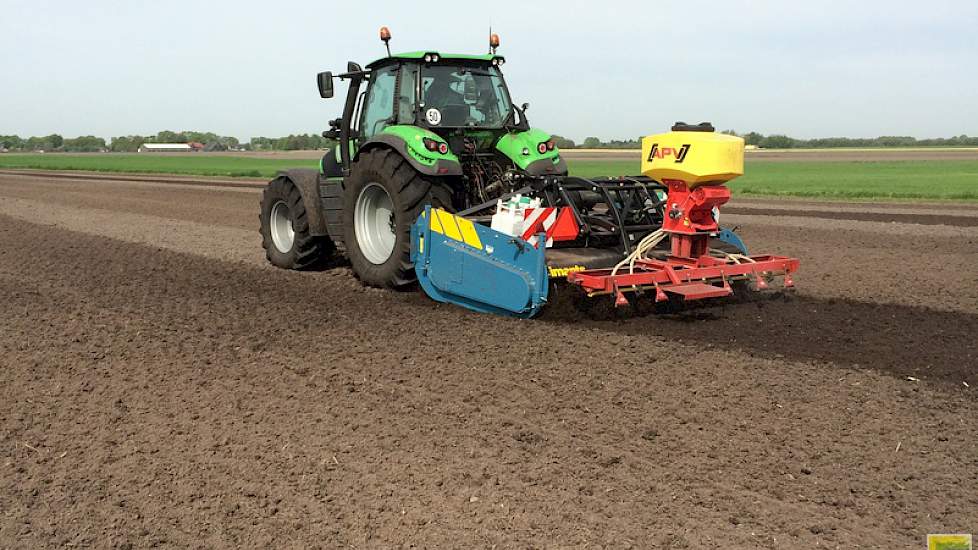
[449, 225]
[435, 224]
[454, 227]
[469, 235]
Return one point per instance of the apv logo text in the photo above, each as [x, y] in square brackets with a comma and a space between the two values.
[664, 152]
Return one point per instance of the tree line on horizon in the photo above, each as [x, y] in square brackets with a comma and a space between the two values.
[131, 144]
[296, 142]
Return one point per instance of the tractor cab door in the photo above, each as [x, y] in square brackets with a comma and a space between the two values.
[378, 104]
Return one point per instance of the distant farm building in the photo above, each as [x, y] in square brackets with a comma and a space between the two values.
[170, 147]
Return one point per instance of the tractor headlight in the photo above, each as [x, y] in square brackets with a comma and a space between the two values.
[427, 58]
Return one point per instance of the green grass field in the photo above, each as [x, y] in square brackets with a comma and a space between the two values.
[910, 179]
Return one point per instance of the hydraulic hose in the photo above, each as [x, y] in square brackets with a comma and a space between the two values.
[647, 243]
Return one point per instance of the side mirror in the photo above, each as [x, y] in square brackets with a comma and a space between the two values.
[524, 107]
[325, 81]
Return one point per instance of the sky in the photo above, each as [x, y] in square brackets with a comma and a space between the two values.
[614, 70]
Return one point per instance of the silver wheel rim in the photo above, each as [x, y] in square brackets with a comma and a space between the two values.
[373, 221]
[280, 223]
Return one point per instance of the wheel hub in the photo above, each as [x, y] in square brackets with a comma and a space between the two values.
[280, 225]
[374, 224]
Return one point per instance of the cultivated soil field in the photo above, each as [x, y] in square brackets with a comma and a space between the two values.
[161, 386]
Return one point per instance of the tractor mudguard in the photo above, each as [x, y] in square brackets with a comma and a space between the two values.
[331, 166]
[522, 149]
[408, 141]
[307, 182]
[470, 265]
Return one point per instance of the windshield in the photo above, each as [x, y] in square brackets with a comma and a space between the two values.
[463, 96]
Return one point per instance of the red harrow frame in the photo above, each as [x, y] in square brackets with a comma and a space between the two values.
[689, 271]
[692, 279]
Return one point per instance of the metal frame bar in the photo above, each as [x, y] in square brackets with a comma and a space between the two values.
[624, 196]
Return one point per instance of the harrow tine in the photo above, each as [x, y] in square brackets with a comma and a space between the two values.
[660, 296]
[620, 299]
[788, 281]
[759, 282]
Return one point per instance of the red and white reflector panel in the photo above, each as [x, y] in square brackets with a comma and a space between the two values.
[558, 224]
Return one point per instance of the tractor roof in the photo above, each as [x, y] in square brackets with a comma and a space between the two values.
[420, 55]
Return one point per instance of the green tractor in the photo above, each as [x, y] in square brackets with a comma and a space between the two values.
[438, 178]
[420, 128]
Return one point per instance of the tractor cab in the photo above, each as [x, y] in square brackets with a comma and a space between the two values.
[437, 92]
[462, 99]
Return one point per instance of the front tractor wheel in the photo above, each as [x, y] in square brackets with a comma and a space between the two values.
[382, 199]
[285, 228]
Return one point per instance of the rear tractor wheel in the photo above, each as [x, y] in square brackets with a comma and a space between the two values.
[285, 228]
[382, 199]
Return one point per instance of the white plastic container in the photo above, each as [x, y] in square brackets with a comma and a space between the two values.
[510, 214]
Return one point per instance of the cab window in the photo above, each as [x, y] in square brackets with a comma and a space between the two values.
[406, 93]
[464, 96]
[379, 105]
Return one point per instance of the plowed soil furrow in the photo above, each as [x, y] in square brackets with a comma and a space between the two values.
[904, 341]
[147, 193]
[193, 181]
[955, 208]
[216, 206]
[920, 219]
[150, 397]
[927, 267]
